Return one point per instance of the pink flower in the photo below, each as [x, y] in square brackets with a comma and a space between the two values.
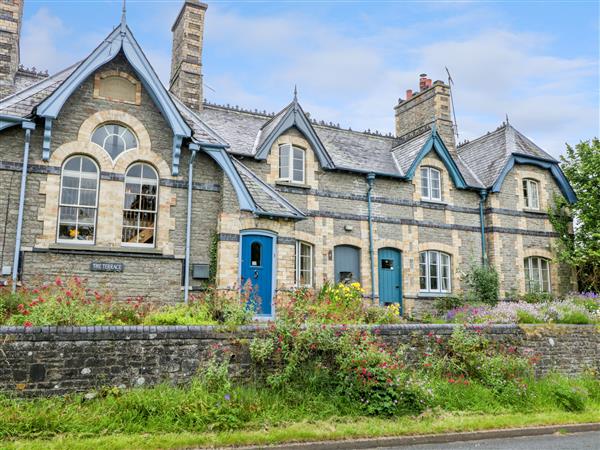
[58, 281]
[69, 294]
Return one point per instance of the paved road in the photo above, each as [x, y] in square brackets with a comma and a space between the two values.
[575, 441]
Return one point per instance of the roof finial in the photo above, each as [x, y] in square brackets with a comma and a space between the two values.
[124, 14]
[507, 123]
[295, 93]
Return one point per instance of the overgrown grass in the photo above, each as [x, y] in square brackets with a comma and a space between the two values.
[247, 414]
[308, 430]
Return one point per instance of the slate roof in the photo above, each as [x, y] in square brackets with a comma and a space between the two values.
[268, 201]
[22, 103]
[486, 156]
[349, 149]
[200, 131]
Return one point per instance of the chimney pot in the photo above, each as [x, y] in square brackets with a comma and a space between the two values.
[409, 94]
[422, 81]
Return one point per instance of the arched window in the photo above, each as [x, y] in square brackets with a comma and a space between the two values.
[531, 194]
[537, 274]
[140, 208]
[78, 202]
[114, 138]
[431, 184]
[291, 164]
[434, 271]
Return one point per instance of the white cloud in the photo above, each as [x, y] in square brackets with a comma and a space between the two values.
[39, 46]
[357, 79]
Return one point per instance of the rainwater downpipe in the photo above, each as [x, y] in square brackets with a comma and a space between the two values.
[194, 148]
[370, 180]
[483, 195]
[27, 126]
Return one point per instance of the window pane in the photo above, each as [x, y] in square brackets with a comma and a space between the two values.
[72, 182]
[423, 271]
[86, 216]
[433, 271]
[534, 195]
[527, 275]
[284, 161]
[114, 138]
[87, 165]
[74, 164]
[140, 205]
[87, 197]
[135, 171]
[255, 250]
[425, 182]
[545, 275]
[69, 196]
[67, 231]
[130, 218]
[445, 267]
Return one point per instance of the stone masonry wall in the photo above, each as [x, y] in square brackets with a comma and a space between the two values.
[51, 360]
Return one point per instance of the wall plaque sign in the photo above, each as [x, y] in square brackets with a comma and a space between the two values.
[106, 267]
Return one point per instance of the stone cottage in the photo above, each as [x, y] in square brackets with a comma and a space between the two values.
[148, 191]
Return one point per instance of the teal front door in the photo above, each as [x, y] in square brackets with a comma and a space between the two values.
[390, 276]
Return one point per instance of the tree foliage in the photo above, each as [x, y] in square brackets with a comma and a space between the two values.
[581, 248]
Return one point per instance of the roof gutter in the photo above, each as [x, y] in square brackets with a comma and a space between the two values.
[27, 126]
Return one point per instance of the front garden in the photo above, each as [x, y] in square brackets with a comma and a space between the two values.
[310, 377]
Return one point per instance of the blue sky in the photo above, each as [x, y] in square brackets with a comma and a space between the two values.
[537, 61]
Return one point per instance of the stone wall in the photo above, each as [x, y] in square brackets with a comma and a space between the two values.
[51, 360]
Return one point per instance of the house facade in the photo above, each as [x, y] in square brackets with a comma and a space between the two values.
[147, 191]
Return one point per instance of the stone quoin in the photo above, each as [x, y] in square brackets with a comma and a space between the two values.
[112, 155]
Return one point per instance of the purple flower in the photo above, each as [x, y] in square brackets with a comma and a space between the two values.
[227, 397]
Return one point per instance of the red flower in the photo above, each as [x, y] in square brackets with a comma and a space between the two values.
[58, 281]
[28, 324]
[69, 294]
[451, 380]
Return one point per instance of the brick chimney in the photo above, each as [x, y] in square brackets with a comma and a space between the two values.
[421, 108]
[11, 15]
[186, 57]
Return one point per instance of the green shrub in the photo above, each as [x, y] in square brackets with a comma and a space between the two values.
[527, 317]
[194, 314]
[444, 304]
[536, 297]
[576, 318]
[482, 284]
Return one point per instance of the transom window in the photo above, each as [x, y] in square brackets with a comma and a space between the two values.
[537, 274]
[304, 264]
[434, 268]
[140, 208]
[78, 203]
[114, 138]
[291, 164]
[431, 184]
[531, 194]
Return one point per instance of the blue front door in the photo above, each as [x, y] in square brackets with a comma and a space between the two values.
[390, 276]
[257, 271]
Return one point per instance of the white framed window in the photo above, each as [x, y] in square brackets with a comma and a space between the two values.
[140, 207]
[434, 271]
[114, 138]
[537, 274]
[291, 164]
[431, 184]
[78, 202]
[304, 264]
[531, 194]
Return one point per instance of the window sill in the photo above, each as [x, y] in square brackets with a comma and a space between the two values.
[426, 295]
[434, 202]
[534, 211]
[291, 184]
[96, 248]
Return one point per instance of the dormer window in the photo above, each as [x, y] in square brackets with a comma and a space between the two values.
[431, 184]
[531, 194]
[114, 138]
[291, 164]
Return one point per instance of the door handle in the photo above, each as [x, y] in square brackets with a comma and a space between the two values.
[256, 274]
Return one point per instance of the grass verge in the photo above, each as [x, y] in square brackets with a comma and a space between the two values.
[352, 428]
